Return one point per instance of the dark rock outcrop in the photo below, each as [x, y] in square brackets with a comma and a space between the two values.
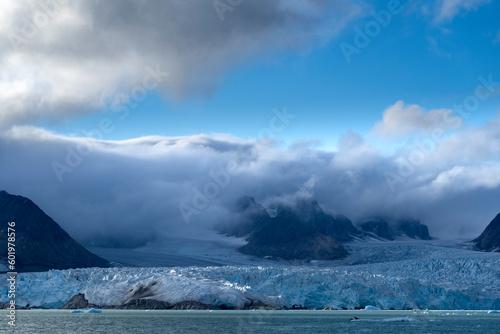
[190, 305]
[378, 228]
[78, 302]
[413, 229]
[489, 240]
[145, 304]
[291, 237]
[41, 244]
[339, 226]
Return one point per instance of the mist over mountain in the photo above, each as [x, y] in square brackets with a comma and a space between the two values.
[138, 186]
[250, 217]
[303, 231]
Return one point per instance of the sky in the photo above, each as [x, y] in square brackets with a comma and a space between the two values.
[124, 120]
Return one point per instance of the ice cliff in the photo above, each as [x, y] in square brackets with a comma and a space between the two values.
[460, 282]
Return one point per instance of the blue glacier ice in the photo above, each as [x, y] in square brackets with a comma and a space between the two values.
[378, 275]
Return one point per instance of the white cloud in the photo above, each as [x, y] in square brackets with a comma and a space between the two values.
[131, 190]
[448, 9]
[62, 58]
[400, 120]
[463, 179]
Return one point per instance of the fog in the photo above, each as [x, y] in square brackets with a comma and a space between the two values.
[125, 193]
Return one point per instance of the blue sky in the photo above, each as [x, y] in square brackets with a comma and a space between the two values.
[414, 59]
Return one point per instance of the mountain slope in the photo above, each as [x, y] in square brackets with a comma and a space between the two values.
[413, 229]
[378, 227]
[287, 237]
[489, 240]
[41, 244]
[338, 227]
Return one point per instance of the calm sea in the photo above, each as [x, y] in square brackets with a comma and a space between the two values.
[221, 322]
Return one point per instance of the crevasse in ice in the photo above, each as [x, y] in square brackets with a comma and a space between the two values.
[436, 283]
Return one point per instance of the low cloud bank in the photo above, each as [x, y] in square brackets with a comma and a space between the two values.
[126, 193]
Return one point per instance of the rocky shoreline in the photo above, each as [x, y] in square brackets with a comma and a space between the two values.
[79, 302]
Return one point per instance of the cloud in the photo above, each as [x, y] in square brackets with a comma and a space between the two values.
[64, 58]
[460, 178]
[124, 193]
[400, 120]
[448, 9]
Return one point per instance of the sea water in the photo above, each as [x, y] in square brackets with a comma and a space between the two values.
[219, 322]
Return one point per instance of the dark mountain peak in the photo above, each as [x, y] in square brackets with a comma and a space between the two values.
[249, 208]
[489, 240]
[335, 226]
[288, 237]
[413, 229]
[379, 228]
[297, 231]
[41, 244]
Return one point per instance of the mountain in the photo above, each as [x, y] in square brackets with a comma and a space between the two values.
[489, 240]
[41, 244]
[338, 226]
[293, 234]
[304, 231]
[287, 236]
[413, 229]
[378, 227]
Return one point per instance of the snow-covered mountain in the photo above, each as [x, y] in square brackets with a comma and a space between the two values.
[413, 275]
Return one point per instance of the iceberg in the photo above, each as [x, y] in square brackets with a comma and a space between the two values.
[399, 319]
[91, 310]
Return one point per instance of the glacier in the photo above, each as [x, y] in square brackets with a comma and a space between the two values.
[445, 278]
